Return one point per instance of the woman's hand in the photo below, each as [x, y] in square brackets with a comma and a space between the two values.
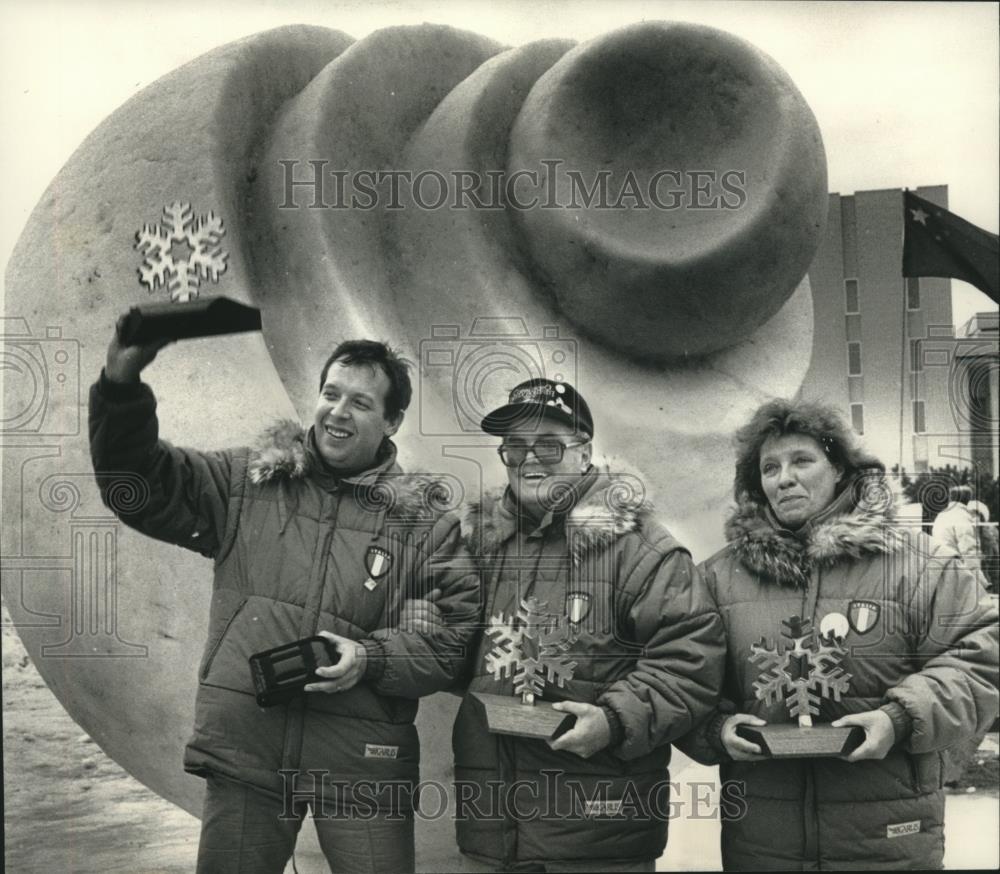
[879, 734]
[740, 749]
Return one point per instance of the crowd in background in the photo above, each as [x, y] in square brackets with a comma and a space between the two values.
[960, 514]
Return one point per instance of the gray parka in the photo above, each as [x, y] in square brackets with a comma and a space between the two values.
[647, 648]
[922, 645]
[294, 550]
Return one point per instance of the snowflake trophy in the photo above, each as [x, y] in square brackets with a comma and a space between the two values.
[531, 647]
[181, 251]
[802, 670]
[534, 650]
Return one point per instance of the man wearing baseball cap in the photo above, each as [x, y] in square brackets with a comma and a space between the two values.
[637, 661]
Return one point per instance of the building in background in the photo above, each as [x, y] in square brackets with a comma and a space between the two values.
[885, 350]
[974, 388]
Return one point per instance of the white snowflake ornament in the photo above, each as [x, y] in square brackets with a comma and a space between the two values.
[181, 251]
[532, 650]
[802, 670]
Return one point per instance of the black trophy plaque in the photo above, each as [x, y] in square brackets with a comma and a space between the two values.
[803, 670]
[531, 647]
[201, 317]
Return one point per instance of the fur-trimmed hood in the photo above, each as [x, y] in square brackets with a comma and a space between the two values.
[285, 453]
[856, 524]
[612, 505]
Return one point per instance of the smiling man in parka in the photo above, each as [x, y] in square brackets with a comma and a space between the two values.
[315, 532]
[642, 651]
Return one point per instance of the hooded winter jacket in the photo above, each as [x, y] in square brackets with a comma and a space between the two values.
[955, 529]
[297, 550]
[647, 648]
[921, 638]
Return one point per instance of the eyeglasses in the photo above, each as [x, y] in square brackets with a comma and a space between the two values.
[546, 451]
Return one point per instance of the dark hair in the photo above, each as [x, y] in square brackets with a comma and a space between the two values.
[375, 354]
[780, 417]
[962, 494]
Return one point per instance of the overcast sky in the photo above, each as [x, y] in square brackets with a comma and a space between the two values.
[906, 94]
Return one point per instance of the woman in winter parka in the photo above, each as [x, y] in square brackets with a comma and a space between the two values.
[813, 536]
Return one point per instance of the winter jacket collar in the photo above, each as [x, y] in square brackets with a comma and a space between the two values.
[855, 524]
[610, 507]
[286, 453]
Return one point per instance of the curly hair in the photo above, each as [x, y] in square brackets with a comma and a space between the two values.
[780, 417]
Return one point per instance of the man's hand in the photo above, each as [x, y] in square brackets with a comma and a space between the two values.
[589, 735]
[125, 363]
[879, 734]
[739, 749]
[347, 672]
[423, 615]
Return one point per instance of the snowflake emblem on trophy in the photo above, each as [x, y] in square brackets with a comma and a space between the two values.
[532, 647]
[802, 670]
[181, 251]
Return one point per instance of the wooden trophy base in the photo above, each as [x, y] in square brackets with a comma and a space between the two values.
[506, 714]
[790, 741]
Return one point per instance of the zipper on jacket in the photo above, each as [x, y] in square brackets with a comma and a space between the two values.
[911, 760]
[508, 830]
[810, 824]
[291, 747]
[321, 564]
[810, 596]
[810, 809]
[215, 647]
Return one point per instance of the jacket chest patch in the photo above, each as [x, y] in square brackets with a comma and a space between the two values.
[378, 562]
[863, 615]
[380, 751]
[902, 828]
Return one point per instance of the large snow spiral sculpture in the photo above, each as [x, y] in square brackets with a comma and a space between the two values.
[638, 215]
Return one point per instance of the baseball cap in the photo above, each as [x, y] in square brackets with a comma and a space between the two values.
[538, 399]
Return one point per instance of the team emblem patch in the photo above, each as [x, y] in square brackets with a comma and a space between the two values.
[863, 615]
[378, 563]
[577, 606]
